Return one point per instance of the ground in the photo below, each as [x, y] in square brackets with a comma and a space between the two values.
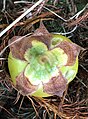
[74, 103]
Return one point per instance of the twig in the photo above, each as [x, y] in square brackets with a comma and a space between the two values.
[78, 20]
[6, 111]
[25, 2]
[4, 5]
[56, 14]
[2, 58]
[77, 14]
[20, 17]
[67, 32]
[81, 82]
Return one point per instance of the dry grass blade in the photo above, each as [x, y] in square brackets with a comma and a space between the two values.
[19, 18]
[79, 20]
[64, 111]
[6, 111]
[33, 105]
[56, 18]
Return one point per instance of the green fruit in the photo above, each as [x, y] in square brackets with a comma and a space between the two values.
[44, 71]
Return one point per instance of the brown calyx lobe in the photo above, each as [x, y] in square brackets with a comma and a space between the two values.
[56, 85]
[19, 48]
[24, 86]
[71, 49]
